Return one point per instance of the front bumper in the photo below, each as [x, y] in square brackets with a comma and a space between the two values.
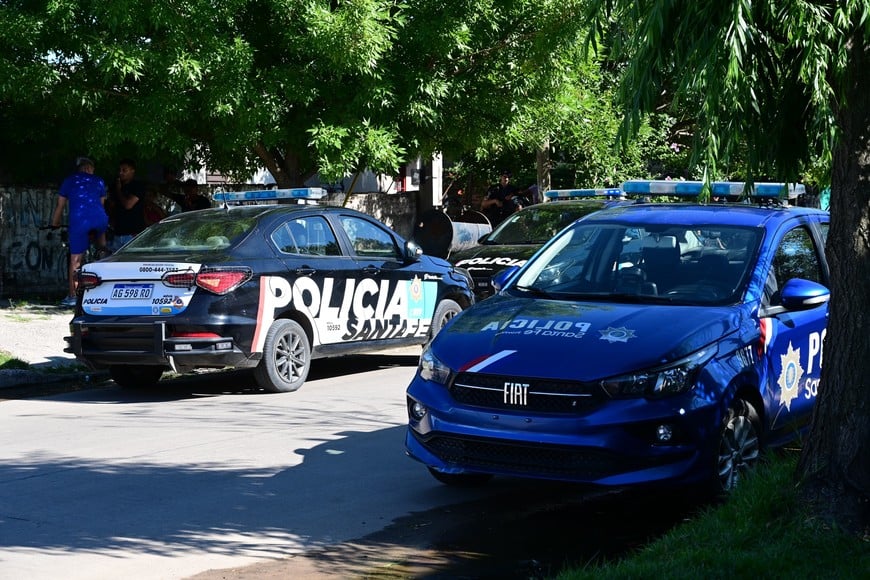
[613, 444]
[105, 344]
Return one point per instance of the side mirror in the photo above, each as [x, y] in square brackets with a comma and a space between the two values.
[800, 294]
[412, 252]
[500, 279]
[482, 239]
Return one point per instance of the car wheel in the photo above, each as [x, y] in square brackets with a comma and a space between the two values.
[460, 479]
[135, 376]
[446, 310]
[739, 445]
[286, 358]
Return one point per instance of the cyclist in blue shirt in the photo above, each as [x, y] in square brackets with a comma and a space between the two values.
[86, 195]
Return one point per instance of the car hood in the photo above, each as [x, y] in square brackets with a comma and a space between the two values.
[577, 340]
[488, 259]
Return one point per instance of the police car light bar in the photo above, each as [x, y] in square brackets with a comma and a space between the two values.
[271, 194]
[574, 193]
[717, 188]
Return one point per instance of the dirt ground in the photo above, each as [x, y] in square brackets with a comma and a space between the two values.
[532, 531]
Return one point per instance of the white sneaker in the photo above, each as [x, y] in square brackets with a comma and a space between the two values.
[69, 301]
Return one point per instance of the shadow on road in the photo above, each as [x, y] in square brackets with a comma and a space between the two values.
[203, 383]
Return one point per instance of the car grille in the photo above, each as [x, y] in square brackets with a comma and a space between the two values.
[544, 395]
[554, 461]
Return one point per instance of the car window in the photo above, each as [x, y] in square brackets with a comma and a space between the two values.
[306, 235]
[631, 262]
[537, 224]
[367, 239]
[796, 257]
[194, 232]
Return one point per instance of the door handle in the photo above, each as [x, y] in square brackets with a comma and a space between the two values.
[304, 271]
[371, 270]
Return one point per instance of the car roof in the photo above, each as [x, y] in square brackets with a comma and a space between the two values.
[691, 214]
[274, 208]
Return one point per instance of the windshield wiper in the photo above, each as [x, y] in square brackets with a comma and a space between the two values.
[635, 298]
[534, 290]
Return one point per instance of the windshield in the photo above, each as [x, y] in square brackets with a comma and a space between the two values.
[193, 231]
[642, 263]
[538, 224]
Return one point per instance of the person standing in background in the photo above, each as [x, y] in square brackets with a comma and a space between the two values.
[85, 193]
[127, 204]
[498, 203]
[189, 199]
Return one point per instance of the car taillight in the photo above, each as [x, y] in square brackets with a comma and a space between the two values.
[180, 279]
[222, 280]
[88, 280]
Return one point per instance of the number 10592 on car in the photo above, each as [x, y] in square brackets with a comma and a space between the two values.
[132, 291]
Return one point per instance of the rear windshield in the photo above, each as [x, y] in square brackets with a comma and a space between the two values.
[194, 231]
[538, 223]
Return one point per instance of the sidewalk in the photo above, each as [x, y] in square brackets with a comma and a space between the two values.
[34, 334]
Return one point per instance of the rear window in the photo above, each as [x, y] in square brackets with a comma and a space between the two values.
[194, 231]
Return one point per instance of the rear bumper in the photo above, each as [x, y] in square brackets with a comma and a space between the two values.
[109, 343]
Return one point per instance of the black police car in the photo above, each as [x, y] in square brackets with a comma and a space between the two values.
[263, 286]
[518, 237]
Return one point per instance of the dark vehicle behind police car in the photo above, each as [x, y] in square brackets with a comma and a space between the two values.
[645, 344]
[263, 286]
[517, 238]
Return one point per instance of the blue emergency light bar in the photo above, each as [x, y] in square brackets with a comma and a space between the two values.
[575, 193]
[271, 194]
[717, 188]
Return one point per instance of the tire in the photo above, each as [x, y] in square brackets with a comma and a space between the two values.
[739, 446]
[460, 479]
[286, 358]
[446, 310]
[135, 376]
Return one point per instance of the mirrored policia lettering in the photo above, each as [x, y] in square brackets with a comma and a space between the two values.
[538, 327]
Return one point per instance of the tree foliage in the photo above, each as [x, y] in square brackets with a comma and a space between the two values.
[299, 86]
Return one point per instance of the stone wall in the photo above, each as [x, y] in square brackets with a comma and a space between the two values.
[33, 262]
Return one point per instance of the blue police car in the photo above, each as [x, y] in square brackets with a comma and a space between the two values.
[653, 343]
[265, 286]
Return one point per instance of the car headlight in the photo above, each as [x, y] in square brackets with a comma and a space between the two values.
[671, 379]
[432, 369]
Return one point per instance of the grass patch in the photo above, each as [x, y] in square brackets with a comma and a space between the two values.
[762, 531]
[9, 362]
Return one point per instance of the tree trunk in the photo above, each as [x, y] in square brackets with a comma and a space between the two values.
[834, 468]
[284, 168]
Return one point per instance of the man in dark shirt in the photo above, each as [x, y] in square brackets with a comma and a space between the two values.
[127, 213]
[498, 203]
[190, 199]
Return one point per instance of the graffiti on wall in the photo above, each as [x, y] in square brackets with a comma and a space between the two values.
[34, 261]
[31, 260]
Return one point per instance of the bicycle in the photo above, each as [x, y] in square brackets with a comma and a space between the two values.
[92, 254]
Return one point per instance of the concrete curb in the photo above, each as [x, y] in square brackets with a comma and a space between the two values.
[24, 377]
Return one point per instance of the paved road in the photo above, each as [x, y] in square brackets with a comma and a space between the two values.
[208, 473]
